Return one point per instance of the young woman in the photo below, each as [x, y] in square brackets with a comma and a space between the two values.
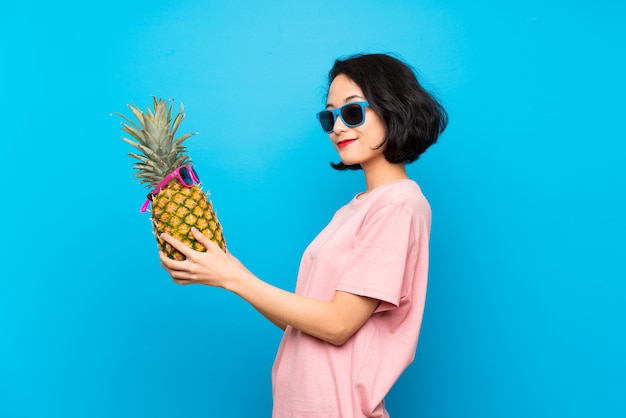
[352, 325]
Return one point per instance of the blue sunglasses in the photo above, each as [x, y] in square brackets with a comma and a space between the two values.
[352, 114]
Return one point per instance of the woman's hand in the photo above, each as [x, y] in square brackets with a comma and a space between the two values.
[212, 268]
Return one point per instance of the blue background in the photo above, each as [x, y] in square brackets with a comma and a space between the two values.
[526, 308]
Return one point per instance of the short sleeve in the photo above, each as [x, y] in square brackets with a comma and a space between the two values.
[377, 265]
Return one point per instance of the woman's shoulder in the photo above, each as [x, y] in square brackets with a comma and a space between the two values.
[400, 192]
[404, 195]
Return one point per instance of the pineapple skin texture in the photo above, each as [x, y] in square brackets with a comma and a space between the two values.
[176, 209]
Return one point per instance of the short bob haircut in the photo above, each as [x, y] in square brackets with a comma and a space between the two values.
[413, 118]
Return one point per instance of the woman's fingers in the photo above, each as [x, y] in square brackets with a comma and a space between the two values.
[198, 267]
[204, 240]
[176, 269]
[186, 251]
[169, 263]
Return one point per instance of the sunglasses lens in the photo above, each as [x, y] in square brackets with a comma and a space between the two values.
[195, 174]
[327, 120]
[352, 114]
[185, 176]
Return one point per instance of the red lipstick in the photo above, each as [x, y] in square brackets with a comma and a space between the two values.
[345, 143]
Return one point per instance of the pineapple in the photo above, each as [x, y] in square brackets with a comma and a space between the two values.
[176, 208]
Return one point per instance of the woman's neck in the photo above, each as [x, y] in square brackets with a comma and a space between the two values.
[383, 174]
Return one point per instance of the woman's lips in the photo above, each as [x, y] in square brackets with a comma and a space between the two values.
[345, 143]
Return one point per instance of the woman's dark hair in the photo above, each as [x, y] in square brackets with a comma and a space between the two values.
[413, 118]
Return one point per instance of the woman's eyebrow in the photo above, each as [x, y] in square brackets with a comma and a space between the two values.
[347, 99]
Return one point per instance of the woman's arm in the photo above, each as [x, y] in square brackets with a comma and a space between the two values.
[335, 321]
[280, 324]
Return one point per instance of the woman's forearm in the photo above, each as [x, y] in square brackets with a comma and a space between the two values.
[333, 321]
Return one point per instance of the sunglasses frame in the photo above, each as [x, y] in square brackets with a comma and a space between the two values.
[167, 179]
[339, 112]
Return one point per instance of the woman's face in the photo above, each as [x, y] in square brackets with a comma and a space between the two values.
[361, 144]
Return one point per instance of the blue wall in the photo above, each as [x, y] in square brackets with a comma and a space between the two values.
[526, 309]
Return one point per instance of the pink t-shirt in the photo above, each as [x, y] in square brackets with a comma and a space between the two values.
[375, 246]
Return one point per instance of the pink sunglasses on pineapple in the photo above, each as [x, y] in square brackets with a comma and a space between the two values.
[185, 174]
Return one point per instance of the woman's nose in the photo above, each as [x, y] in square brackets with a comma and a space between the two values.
[339, 126]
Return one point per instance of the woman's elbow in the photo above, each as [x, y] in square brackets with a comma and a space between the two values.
[340, 335]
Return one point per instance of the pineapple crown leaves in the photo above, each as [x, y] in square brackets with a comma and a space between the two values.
[160, 152]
